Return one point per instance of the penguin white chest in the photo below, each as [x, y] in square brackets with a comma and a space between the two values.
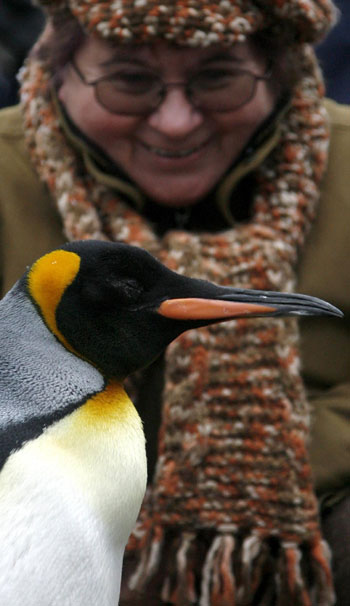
[68, 502]
[105, 443]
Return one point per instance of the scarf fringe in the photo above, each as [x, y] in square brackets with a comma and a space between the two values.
[233, 571]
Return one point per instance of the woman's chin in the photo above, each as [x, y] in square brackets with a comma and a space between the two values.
[177, 195]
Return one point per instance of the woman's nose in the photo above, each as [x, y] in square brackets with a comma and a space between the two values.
[176, 116]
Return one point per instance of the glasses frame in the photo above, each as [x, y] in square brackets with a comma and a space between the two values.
[186, 85]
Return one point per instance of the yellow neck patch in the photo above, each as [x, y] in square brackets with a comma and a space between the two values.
[48, 279]
[108, 406]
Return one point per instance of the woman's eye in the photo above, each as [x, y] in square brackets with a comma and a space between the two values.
[136, 82]
[212, 78]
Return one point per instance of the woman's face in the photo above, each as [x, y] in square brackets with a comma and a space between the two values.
[177, 153]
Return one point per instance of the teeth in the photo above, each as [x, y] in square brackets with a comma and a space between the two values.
[168, 154]
[171, 154]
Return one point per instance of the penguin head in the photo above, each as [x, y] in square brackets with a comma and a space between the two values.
[117, 307]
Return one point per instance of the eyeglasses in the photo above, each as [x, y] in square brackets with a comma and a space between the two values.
[133, 91]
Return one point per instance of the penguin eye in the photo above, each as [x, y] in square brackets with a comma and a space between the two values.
[126, 290]
[112, 292]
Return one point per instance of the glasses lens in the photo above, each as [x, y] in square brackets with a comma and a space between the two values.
[141, 92]
[129, 93]
[223, 93]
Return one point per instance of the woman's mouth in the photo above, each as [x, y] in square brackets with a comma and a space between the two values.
[172, 153]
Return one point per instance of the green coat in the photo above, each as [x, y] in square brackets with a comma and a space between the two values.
[30, 226]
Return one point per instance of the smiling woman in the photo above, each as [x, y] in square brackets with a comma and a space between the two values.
[196, 113]
[174, 146]
[199, 132]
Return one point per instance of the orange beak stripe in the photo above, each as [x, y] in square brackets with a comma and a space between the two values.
[209, 309]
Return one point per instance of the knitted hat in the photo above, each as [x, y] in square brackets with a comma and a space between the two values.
[197, 22]
[231, 518]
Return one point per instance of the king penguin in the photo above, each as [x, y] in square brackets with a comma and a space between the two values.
[72, 448]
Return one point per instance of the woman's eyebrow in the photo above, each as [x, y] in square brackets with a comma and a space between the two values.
[119, 57]
[221, 56]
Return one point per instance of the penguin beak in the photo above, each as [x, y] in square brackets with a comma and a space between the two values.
[238, 303]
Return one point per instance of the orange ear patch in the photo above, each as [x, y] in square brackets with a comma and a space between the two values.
[47, 281]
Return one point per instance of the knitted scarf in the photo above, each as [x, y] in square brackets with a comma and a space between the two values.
[231, 517]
